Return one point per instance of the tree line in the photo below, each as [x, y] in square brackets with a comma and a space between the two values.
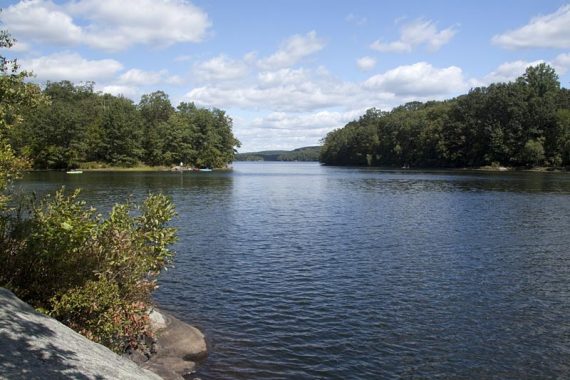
[81, 127]
[308, 153]
[521, 123]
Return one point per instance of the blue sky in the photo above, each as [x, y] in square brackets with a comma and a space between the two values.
[289, 71]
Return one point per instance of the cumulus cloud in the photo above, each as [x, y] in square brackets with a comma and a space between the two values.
[120, 90]
[417, 33]
[420, 79]
[293, 50]
[366, 63]
[134, 82]
[220, 68]
[107, 24]
[283, 90]
[72, 67]
[548, 31]
[41, 21]
[282, 77]
[137, 77]
[315, 120]
[303, 90]
[561, 63]
[508, 71]
[118, 24]
[291, 98]
[281, 130]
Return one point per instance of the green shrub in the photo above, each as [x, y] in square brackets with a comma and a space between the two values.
[94, 274]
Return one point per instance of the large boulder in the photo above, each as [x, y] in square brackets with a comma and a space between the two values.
[178, 347]
[34, 346]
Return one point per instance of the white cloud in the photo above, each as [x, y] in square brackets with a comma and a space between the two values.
[119, 24]
[366, 63]
[286, 90]
[41, 21]
[508, 71]
[220, 68]
[292, 51]
[291, 98]
[136, 77]
[315, 120]
[72, 67]
[303, 90]
[548, 31]
[250, 57]
[18, 47]
[281, 130]
[282, 77]
[123, 90]
[416, 33]
[561, 63]
[107, 24]
[419, 80]
[175, 80]
[134, 82]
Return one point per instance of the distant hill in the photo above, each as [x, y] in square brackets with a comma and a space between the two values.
[308, 153]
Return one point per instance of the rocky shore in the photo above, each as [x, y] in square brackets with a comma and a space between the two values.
[177, 348]
[35, 346]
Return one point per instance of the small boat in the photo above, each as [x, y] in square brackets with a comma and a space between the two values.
[206, 170]
[74, 171]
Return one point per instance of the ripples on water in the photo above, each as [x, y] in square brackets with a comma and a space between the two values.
[297, 271]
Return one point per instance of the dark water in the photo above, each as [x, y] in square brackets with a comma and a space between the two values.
[297, 271]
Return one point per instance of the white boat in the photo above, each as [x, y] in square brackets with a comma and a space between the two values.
[205, 170]
[75, 172]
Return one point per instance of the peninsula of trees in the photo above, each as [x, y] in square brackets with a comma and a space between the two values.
[80, 127]
[521, 123]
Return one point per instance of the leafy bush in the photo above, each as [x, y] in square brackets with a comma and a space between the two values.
[94, 274]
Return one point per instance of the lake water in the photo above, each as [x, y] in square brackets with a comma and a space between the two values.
[298, 271]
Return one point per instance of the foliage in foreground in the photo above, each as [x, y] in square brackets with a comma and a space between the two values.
[15, 96]
[94, 274]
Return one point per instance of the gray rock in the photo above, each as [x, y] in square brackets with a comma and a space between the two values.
[178, 346]
[34, 346]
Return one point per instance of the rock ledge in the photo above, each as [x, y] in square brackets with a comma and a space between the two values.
[35, 347]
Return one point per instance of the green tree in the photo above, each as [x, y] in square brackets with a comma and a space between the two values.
[518, 123]
[121, 138]
[16, 95]
[533, 152]
[56, 135]
[155, 110]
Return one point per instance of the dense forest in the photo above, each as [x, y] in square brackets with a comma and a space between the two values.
[521, 123]
[80, 127]
[308, 153]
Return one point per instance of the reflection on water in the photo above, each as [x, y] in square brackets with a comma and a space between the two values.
[301, 271]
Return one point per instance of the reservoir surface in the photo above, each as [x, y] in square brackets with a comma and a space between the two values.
[302, 271]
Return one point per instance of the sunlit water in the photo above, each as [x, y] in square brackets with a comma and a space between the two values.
[298, 271]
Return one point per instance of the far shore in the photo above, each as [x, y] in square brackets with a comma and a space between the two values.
[127, 169]
[488, 168]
